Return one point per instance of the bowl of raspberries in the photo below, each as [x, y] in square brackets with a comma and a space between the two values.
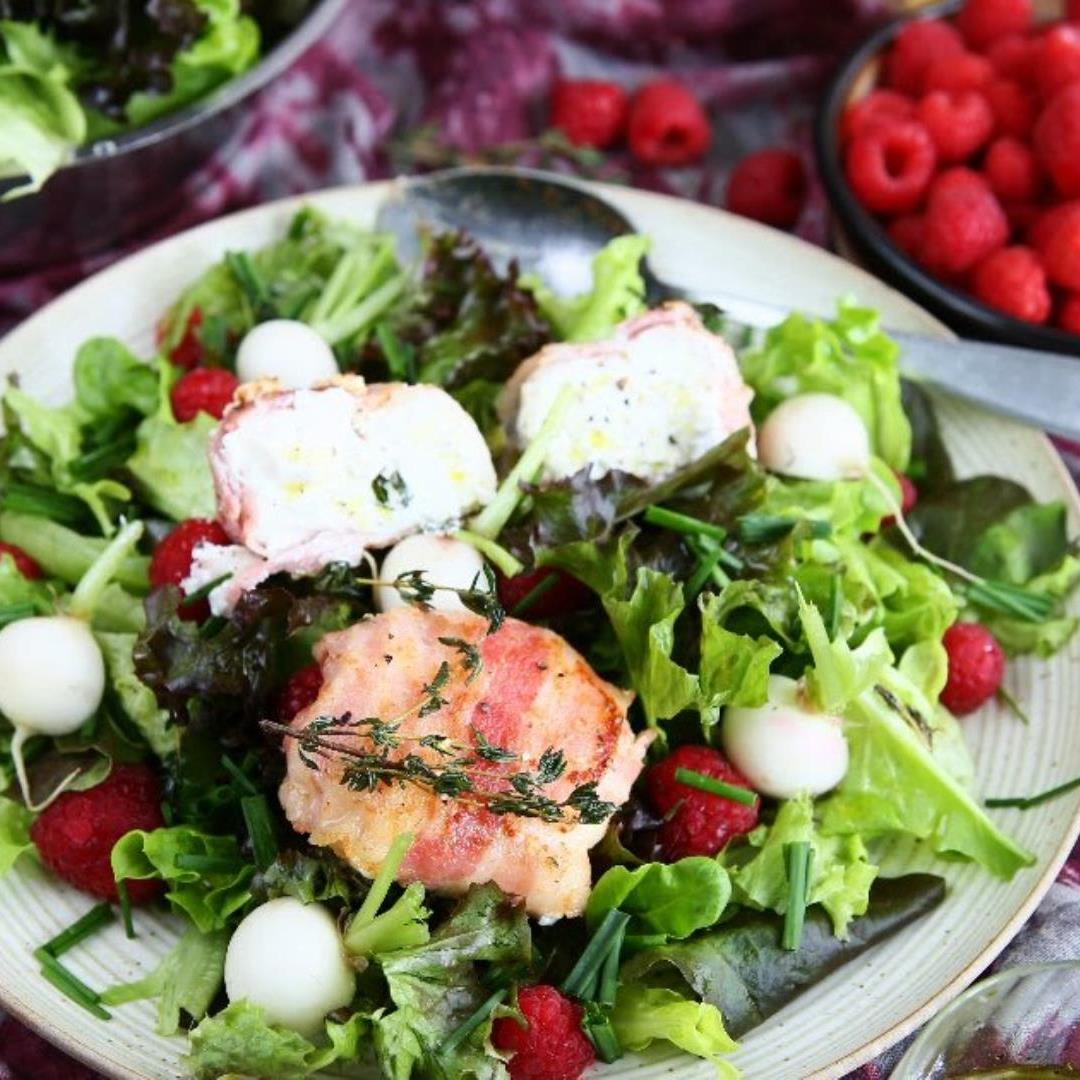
[949, 143]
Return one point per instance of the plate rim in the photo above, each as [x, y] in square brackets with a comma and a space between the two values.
[69, 1041]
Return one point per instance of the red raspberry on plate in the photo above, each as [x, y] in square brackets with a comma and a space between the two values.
[879, 107]
[207, 390]
[964, 222]
[26, 566]
[955, 73]
[1056, 236]
[1021, 215]
[1072, 10]
[697, 822]
[189, 353]
[1013, 280]
[768, 186]
[590, 112]
[916, 45]
[667, 125]
[889, 170]
[1069, 315]
[300, 690]
[1013, 57]
[551, 1044]
[1012, 170]
[976, 667]
[907, 234]
[76, 834]
[960, 122]
[564, 596]
[171, 561]
[1057, 62]
[1057, 140]
[984, 21]
[1013, 107]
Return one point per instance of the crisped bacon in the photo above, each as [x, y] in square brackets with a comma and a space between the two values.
[530, 693]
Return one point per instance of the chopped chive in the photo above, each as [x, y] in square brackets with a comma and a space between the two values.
[43, 502]
[1011, 600]
[471, 1023]
[207, 864]
[684, 523]
[203, 592]
[798, 856]
[585, 971]
[529, 600]
[707, 566]
[598, 1028]
[125, 908]
[260, 827]
[212, 626]
[1013, 705]
[98, 916]
[249, 279]
[400, 355]
[493, 552]
[1026, 803]
[238, 775]
[716, 787]
[70, 985]
[14, 612]
[381, 885]
[609, 974]
[766, 528]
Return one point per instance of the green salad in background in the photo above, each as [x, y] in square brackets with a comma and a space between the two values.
[724, 595]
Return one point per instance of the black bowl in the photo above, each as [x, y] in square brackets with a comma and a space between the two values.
[868, 238]
[116, 188]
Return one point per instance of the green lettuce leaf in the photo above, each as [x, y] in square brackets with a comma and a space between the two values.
[211, 898]
[841, 869]
[403, 925]
[137, 699]
[240, 1040]
[734, 667]
[17, 591]
[15, 822]
[665, 902]
[643, 1015]
[1049, 636]
[618, 293]
[188, 979]
[110, 380]
[850, 357]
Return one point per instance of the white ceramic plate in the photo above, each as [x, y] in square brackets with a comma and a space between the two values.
[843, 1021]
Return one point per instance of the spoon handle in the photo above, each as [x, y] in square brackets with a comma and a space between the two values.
[1039, 388]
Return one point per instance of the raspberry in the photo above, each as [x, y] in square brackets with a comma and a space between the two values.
[300, 690]
[1013, 280]
[1057, 62]
[1013, 107]
[768, 186]
[207, 390]
[976, 667]
[984, 21]
[955, 73]
[189, 352]
[1057, 239]
[1072, 10]
[697, 822]
[1057, 140]
[1013, 57]
[76, 834]
[878, 107]
[1069, 315]
[907, 234]
[917, 44]
[1021, 215]
[889, 170]
[26, 566]
[590, 112]
[959, 122]
[667, 125]
[964, 222]
[171, 561]
[1012, 170]
[551, 1045]
[566, 595]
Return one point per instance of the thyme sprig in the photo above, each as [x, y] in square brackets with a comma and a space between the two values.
[481, 598]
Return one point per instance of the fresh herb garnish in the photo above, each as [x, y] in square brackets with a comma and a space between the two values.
[97, 917]
[1011, 600]
[68, 984]
[1021, 802]
[400, 355]
[583, 978]
[125, 908]
[684, 523]
[716, 787]
[260, 827]
[471, 1023]
[384, 483]
[414, 588]
[768, 528]
[599, 1028]
[798, 857]
[532, 597]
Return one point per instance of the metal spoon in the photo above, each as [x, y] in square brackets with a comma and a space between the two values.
[553, 227]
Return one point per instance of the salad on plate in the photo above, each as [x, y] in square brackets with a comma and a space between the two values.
[494, 682]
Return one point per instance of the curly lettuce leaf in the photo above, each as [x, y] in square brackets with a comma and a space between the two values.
[241, 1040]
[211, 898]
[15, 822]
[20, 595]
[849, 356]
[136, 698]
[644, 1015]
[665, 901]
[734, 667]
[111, 381]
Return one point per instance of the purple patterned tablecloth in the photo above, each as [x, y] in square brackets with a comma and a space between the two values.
[403, 85]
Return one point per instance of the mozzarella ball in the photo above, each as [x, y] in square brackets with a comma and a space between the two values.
[442, 561]
[288, 351]
[815, 437]
[782, 748]
[52, 674]
[287, 958]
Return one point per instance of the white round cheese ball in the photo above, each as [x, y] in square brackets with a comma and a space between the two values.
[286, 350]
[782, 748]
[287, 958]
[441, 560]
[52, 674]
[815, 437]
